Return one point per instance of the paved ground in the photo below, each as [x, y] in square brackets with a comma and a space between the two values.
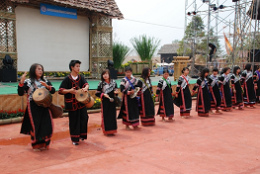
[222, 144]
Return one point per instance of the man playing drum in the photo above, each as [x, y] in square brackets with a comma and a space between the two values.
[78, 116]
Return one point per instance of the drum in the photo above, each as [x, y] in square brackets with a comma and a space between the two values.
[42, 97]
[56, 111]
[137, 89]
[85, 98]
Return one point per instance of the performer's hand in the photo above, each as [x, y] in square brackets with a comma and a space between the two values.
[44, 84]
[156, 99]
[116, 91]
[86, 88]
[23, 77]
[176, 95]
[234, 91]
[256, 87]
[106, 95]
[73, 90]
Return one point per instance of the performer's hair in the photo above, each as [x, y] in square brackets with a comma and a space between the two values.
[73, 63]
[104, 72]
[32, 73]
[235, 69]
[248, 67]
[184, 69]
[224, 70]
[165, 70]
[203, 72]
[215, 70]
[145, 74]
[128, 68]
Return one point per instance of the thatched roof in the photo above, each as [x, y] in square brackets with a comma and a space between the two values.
[169, 49]
[107, 7]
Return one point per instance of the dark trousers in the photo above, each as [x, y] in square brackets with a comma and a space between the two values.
[78, 124]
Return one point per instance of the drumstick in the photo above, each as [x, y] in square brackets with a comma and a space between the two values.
[110, 99]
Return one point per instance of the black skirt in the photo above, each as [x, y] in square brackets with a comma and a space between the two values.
[109, 123]
[147, 108]
[184, 100]
[249, 92]
[203, 104]
[37, 122]
[129, 111]
[166, 108]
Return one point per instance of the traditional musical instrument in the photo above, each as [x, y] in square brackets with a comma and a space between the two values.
[85, 98]
[118, 101]
[137, 89]
[42, 97]
[56, 111]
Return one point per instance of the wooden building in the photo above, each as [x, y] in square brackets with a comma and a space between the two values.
[29, 35]
[167, 52]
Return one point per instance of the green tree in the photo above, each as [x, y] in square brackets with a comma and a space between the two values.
[119, 53]
[194, 28]
[202, 47]
[145, 46]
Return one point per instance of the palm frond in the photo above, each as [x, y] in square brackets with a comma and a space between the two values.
[145, 46]
[119, 53]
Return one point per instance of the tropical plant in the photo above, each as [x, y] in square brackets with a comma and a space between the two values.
[119, 53]
[145, 46]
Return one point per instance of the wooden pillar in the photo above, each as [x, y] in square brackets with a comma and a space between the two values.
[179, 63]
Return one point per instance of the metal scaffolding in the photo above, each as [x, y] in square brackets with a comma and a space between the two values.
[220, 16]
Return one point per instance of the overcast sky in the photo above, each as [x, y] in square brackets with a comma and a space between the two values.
[161, 12]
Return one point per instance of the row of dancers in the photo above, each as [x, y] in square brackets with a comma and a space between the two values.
[38, 121]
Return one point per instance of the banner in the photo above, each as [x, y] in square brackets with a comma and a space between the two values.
[58, 11]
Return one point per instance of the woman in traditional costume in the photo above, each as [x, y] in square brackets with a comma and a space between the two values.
[164, 92]
[147, 105]
[237, 93]
[37, 120]
[203, 97]
[129, 111]
[249, 86]
[257, 81]
[215, 99]
[183, 95]
[224, 81]
[107, 90]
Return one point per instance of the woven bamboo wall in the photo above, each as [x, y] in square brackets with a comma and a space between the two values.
[100, 43]
[7, 31]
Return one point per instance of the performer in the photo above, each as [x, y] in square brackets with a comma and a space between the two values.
[107, 89]
[224, 81]
[37, 120]
[129, 109]
[78, 116]
[203, 98]
[164, 90]
[214, 91]
[147, 105]
[237, 93]
[183, 95]
[249, 86]
[257, 81]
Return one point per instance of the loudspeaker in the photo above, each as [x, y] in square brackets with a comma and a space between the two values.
[8, 75]
[256, 10]
[256, 53]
